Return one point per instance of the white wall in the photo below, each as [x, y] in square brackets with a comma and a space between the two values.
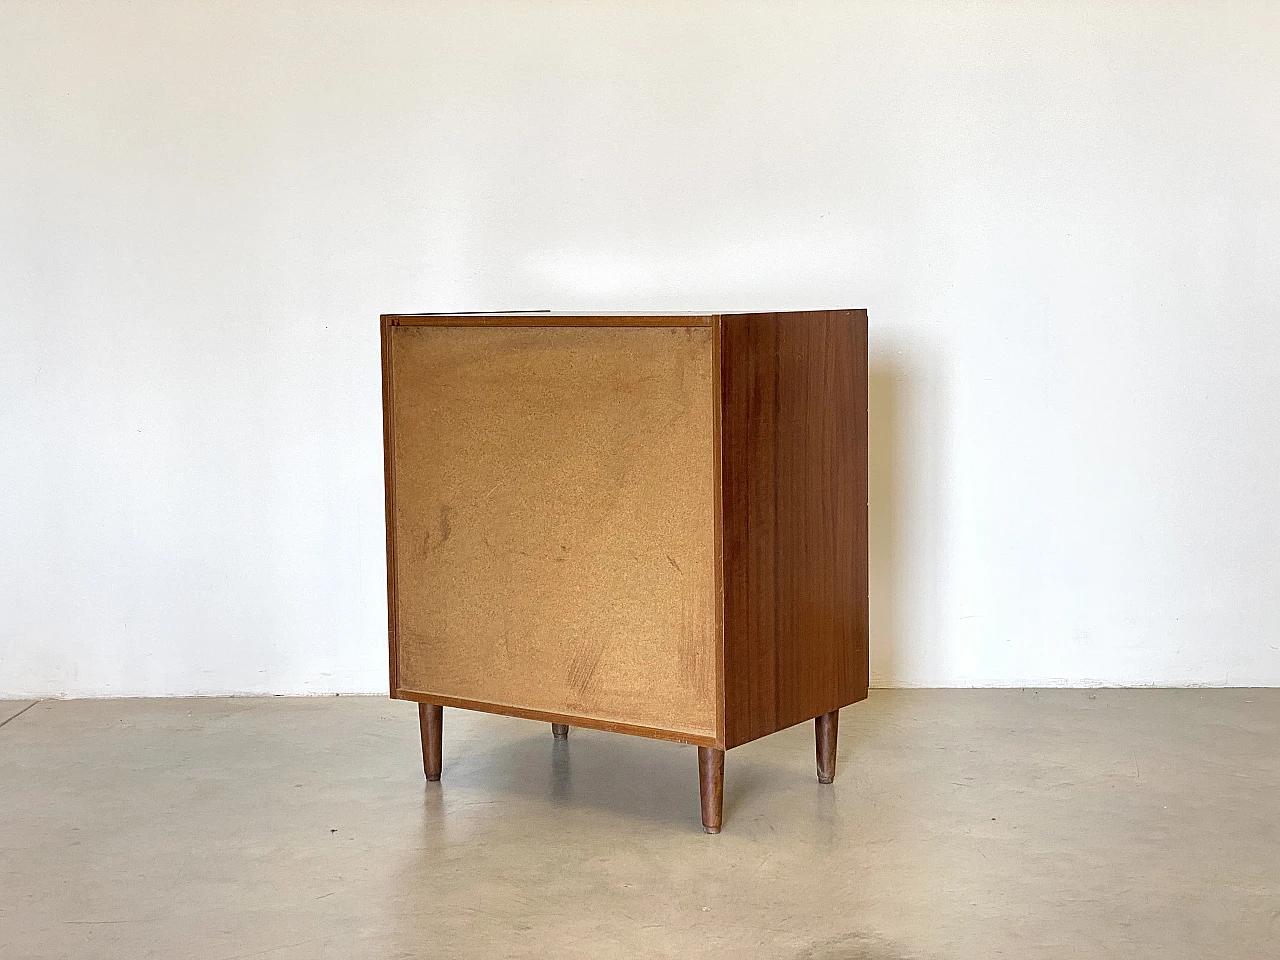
[1064, 219]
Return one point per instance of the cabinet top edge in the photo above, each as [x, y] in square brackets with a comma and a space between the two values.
[825, 312]
[543, 318]
[539, 319]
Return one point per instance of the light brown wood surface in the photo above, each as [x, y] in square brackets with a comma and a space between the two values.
[553, 520]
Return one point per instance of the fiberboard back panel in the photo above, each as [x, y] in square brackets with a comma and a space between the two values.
[554, 519]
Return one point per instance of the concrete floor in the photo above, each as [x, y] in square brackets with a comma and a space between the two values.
[962, 824]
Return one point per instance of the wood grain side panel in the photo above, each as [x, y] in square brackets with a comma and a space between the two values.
[554, 521]
[795, 518]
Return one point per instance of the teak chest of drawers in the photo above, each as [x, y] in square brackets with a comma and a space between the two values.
[650, 525]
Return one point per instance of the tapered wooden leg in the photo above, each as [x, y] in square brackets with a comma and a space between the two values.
[711, 777]
[824, 731]
[430, 718]
[560, 731]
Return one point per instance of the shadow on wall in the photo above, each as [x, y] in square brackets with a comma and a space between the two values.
[906, 492]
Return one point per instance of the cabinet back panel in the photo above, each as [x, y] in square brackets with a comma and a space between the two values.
[552, 519]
